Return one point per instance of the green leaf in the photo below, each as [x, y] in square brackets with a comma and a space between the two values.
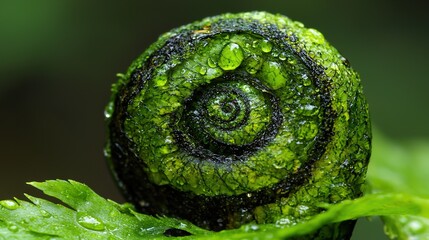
[88, 216]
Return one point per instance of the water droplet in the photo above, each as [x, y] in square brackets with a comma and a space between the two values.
[309, 110]
[181, 181]
[9, 204]
[212, 63]
[255, 44]
[108, 111]
[415, 226]
[90, 222]
[306, 80]
[279, 164]
[273, 75]
[253, 64]
[13, 228]
[332, 70]
[282, 56]
[275, 54]
[345, 61]
[201, 70]
[45, 214]
[292, 61]
[266, 46]
[283, 222]
[302, 209]
[251, 228]
[231, 57]
[168, 140]
[113, 213]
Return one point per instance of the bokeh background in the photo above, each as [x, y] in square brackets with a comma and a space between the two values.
[58, 60]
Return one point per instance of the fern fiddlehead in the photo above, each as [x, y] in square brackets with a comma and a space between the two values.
[239, 118]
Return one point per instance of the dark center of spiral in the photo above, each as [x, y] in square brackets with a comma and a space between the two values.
[228, 118]
[224, 107]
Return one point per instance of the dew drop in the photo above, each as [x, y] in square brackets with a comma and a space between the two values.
[231, 57]
[283, 222]
[212, 63]
[9, 204]
[273, 75]
[202, 70]
[255, 44]
[302, 209]
[108, 111]
[282, 56]
[309, 110]
[181, 181]
[279, 165]
[113, 213]
[275, 54]
[90, 222]
[266, 46]
[45, 214]
[253, 64]
[306, 80]
[13, 228]
[415, 226]
[332, 70]
[251, 228]
[292, 61]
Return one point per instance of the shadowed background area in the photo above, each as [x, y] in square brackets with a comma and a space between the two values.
[58, 60]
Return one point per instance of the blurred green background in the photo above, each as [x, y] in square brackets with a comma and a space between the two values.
[58, 60]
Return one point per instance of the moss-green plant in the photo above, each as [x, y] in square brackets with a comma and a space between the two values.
[240, 118]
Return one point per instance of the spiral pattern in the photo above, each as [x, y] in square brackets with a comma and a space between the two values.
[239, 118]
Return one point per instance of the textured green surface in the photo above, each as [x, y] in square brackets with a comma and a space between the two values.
[239, 118]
